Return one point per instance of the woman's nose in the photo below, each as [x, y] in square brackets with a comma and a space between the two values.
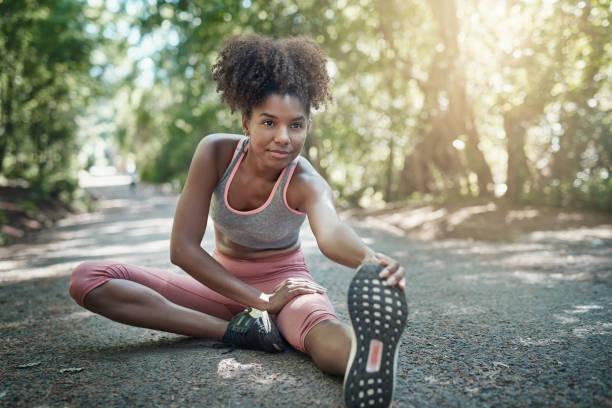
[282, 137]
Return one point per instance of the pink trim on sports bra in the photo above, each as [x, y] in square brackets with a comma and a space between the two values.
[264, 205]
[238, 147]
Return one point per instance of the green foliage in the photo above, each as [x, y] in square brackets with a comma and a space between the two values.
[594, 194]
[432, 99]
[399, 74]
[44, 84]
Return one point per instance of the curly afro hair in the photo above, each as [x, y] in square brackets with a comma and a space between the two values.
[250, 68]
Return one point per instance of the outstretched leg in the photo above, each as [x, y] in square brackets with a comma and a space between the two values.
[329, 345]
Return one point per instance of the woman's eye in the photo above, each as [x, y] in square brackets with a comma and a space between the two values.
[296, 125]
[268, 123]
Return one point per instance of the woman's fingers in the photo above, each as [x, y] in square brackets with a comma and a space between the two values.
[302, 291]
[383, 259]
[318, 287]
[295, 283]
[309, 282]
[392, 272]
[396, 278]
[283, 283]
[389, 269]
[307, 285]
[306, 282]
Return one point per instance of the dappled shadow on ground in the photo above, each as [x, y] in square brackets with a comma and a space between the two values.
[483, 220]
[132, 227]
[55, 352]
[525, 323]
[533, 244]
[541, 258]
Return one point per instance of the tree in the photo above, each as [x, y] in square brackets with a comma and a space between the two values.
[440, 97]
[44, 78]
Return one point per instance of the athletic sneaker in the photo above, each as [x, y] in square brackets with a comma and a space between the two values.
[253, 329]
[378, 315]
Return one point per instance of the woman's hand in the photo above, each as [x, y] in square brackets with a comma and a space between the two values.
[393, 273]
[290, 288]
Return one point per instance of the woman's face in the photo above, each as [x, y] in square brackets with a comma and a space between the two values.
[277, 128]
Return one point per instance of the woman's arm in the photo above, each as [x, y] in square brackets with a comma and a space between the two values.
[335, 239]
[189, 225]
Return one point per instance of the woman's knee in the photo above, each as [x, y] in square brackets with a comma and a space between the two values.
[329, 345]
[330, 337]
[301, 315]
[84, 268]
[87, 276]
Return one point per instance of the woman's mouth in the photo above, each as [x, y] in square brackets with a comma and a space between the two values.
[279, 154]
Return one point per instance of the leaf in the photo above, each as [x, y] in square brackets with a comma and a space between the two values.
[28, 365]
[71, 370]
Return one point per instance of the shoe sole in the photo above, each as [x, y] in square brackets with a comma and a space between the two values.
[378, 315]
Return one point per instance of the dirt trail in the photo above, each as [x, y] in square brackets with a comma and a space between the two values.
[520, 324]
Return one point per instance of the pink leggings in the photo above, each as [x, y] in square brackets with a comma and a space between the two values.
[294, 321]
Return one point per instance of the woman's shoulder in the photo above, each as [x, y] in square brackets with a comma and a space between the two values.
[304, 168]
[220, 141]
[217, 149]
[306, 178]
[306, 185]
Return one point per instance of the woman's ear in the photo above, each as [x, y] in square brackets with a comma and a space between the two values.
[245, 124]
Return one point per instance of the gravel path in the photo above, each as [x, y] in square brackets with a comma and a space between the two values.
[521, 324]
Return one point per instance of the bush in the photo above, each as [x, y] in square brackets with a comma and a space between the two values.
[594, 194]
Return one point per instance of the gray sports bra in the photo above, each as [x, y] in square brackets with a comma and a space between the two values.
[274, 225]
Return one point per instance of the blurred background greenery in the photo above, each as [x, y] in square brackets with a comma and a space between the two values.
[437, 99]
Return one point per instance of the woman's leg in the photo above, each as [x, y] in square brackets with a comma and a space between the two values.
[308, 322]
[131, 303]
[151, 298]
[329, 345]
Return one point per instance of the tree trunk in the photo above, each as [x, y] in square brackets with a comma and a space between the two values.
[460, 112]
[446, 116]
[6, 126]
[518, 171]
[389, 182]
[476, 159]
[2, 154]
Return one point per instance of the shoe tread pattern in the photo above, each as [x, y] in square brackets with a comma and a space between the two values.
[377, 312]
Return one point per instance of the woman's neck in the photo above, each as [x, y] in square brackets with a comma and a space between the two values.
[257, 169]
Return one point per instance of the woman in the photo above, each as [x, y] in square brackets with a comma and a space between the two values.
[258, 190]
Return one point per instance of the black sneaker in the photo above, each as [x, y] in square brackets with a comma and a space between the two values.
[378, 315]
[253, 329]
